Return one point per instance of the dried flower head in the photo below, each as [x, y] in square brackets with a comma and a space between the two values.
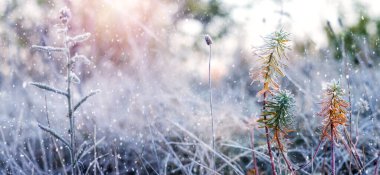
[334, 109]
[64, 15]
[270, 63]
[279, 112]
[362, 105]
[208, 39]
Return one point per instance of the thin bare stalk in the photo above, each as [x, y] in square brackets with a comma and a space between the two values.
[315, 152]
[69, 106]
[349, 113]
[252, 135]
[285, 159]
[52, 139]
[209, 43]
[377, 164]
[212, 117]
[353, 151]
[346, 66]
[95, 156]
[332, 151]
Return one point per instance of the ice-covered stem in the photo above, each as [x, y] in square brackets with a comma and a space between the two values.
[69, 105]
[252, 136]
[267, 70]
[209, 42]
[69, 41]
[65, 16]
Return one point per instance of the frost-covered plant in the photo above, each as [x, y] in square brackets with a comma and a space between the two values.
[334, 110]
[279, 110]
[267, 71]
[209, 42]
[270, 65]
[71, 77]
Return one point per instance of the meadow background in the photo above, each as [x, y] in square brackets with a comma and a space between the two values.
[150, 61]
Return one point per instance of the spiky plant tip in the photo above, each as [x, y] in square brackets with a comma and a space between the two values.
[276, 43]
[279, 112]
[270, 65]
[278, 39]
[334, 88]
[334, 110]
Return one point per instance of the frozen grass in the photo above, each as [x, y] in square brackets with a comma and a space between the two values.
[154, 115]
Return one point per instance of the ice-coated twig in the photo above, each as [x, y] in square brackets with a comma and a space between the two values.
[48, 48]
[84, 99]
[53, 133]
[78, 38]
[89, 149]
[80, 151]
[82, 58]
[48, 88]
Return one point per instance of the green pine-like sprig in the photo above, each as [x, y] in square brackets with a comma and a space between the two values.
[279, 112]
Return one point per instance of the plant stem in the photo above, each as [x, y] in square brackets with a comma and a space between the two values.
[268, 139]
[252, 134]
[212, 117]
[332, 151]
[285, 159]
[353, 151]
[313, 156]
[95, 156]
[377, 164]
[52, 139]
[69, 107]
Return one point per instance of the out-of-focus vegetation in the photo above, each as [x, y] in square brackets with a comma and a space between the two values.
[356, 41]
[149, 60]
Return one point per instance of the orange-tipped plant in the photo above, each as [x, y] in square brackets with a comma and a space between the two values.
[271, 57]
[270, 65]
[334, 110]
